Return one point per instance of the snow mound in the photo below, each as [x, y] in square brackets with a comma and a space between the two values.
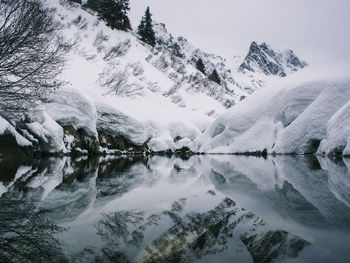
[161, 144]
[49, 132]
[338, 133]
[116, 123]
[7, 128]
[304, 113]
[69, 108]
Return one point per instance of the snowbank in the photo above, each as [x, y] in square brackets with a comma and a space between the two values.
[68, 107]
[338, 133]
[7, 128]
[116, 123]
[47, 131]
[295, 115]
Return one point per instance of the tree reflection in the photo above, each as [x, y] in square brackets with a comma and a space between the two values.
[26, 235]
[116, 231]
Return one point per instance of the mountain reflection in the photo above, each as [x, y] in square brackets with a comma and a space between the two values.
[196, 235]
[157, 209]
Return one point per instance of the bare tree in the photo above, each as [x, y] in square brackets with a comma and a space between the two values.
[118, 82]
[31, 54]
[118, 50]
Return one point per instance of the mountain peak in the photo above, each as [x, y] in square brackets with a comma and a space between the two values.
[262, 58]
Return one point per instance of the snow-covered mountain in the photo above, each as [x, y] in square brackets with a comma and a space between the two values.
[123, 94]
[239, 76]
[179, 53]
[262, 58]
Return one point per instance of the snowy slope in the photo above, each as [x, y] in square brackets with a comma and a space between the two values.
[143, 105]
[92, 63]
[306, 112]
[178, 57]
[121, 93]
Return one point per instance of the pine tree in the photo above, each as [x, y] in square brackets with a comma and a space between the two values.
[200, 66]
[145, 29]
[92, 4]
[214, 76]
[114, 13]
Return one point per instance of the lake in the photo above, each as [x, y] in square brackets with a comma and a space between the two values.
[206, 208]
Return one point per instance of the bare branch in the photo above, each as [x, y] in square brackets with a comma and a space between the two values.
[31, 55]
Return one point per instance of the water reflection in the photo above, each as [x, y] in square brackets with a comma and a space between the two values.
[205, 209]
[194, 236]
[26, 235]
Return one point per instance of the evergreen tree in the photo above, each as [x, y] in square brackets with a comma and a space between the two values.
[145, 29]
[114, 13]
[92, 4]
[214, 76]
[200, 66]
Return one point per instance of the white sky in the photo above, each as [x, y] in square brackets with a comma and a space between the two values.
[315, 29]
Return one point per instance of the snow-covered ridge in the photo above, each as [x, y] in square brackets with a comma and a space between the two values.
[239, 77]
[307, 112]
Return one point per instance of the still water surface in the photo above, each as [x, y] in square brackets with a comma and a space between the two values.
[211, 208]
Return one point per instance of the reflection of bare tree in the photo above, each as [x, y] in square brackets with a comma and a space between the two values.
[119, 176]
[27, 235]
[116, 230]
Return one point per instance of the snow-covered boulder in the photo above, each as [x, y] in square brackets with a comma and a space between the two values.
[7, 128]
[69, 108]
[338, 133]
[48, 132]
[304, 134]
[290, 116]
[161, 144]
[115, 123]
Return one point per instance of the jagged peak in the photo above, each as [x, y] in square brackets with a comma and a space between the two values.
[270, 61]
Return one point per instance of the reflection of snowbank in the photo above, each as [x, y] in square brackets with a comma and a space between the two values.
[289, 196]
[290, 186]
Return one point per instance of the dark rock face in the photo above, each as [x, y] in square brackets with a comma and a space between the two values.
[81, 141]
[119, 143]
[11, 155]
[9, 147]
[259, 55]
[91, 144]
[263, 58]
[76, 141]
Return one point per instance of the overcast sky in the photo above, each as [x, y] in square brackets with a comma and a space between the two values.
[315, 29]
